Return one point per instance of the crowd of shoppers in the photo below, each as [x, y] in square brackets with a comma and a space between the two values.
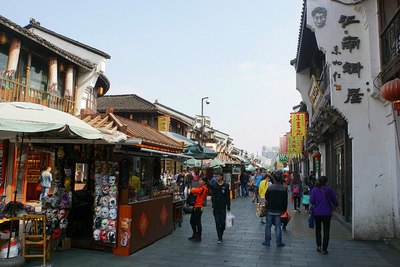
[274, 190]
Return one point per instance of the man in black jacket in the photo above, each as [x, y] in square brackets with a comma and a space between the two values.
[277, 201]
[221, 202]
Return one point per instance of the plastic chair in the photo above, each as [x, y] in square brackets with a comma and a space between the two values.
[34, 238]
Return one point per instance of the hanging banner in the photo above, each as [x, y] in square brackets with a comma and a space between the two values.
[283, 145]
[298, 124]
[295, 146]
[163, 123]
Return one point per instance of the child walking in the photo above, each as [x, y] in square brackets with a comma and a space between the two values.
[306, 199]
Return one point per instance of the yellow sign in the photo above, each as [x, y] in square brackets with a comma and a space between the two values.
[295, 146]
[298, 124]
[315, 94]
[163, 123]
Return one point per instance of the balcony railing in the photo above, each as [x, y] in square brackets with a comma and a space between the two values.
[12, 90]
[390, 42]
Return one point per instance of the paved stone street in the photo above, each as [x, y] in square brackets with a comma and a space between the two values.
[241, 247]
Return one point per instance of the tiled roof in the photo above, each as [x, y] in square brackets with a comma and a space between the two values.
[36, 25]
[163, 109]
[150, 137]
[125, 103]
[227, 158]
[17, 28]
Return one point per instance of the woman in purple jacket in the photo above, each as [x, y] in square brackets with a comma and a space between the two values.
[323, 199]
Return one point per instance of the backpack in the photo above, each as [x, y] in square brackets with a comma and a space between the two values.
[296, 189]
[191, 198]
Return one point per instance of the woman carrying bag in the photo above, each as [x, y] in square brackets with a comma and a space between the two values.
[195, 218]
[323, 199]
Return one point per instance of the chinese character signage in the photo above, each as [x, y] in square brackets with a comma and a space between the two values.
[163, 123]
[295, 145]
[283, 145]
[298, 124]
[315, 94]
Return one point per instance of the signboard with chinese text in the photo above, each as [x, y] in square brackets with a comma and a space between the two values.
[283, 145]
[163, 123]
[295, 145]
[315, 94]
[298, 124]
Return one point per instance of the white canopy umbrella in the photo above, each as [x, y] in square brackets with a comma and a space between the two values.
[24, 117]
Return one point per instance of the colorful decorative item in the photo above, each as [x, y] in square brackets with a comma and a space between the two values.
[316, 155]
[105, 201]
[391, 90]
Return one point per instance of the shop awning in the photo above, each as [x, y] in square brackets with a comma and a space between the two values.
[199, 152]
[191, 148]
[30, 118]
[164, 153]
[179, 138]
[242, 159]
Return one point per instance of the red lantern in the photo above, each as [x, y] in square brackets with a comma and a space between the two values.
[391, 90]
[316, 155]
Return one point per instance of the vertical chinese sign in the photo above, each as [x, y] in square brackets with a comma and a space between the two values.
[283, 149]
[164, 123]
[295, 146]
[298, 124]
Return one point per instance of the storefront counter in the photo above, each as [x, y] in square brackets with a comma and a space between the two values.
[142, 223]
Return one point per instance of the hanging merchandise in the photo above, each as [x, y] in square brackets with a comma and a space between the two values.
[105, 201]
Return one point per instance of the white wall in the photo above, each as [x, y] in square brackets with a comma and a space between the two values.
[74, 49]
[375, 202]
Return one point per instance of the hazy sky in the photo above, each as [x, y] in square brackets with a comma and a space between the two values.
[236, 52]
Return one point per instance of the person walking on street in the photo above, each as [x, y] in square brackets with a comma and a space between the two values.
[323, 199]
[195, 218]
[45, 182]
[296, 188]
[251, 186]
[258, 177]
[262, 189]
[244, 178]
[277, 201]
[310, 180]
[221, 202]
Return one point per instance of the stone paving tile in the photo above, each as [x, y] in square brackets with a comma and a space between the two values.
[241, 247]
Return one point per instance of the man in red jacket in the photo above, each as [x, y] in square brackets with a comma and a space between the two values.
[195, 218]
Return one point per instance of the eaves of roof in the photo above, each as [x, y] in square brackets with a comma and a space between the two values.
[306, 42]
[28, 34]
[125, 103]
[35, 25]
[150, 136]
[174, 113]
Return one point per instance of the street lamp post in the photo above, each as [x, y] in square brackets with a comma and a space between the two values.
[202, 118]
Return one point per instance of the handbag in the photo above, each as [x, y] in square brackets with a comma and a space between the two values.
[260, 209]
[229, 219]
[311, 220]
[191, 198]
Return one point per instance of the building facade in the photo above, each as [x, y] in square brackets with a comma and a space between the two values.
[339, 75]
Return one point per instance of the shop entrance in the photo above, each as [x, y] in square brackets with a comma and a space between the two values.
[82, 212]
